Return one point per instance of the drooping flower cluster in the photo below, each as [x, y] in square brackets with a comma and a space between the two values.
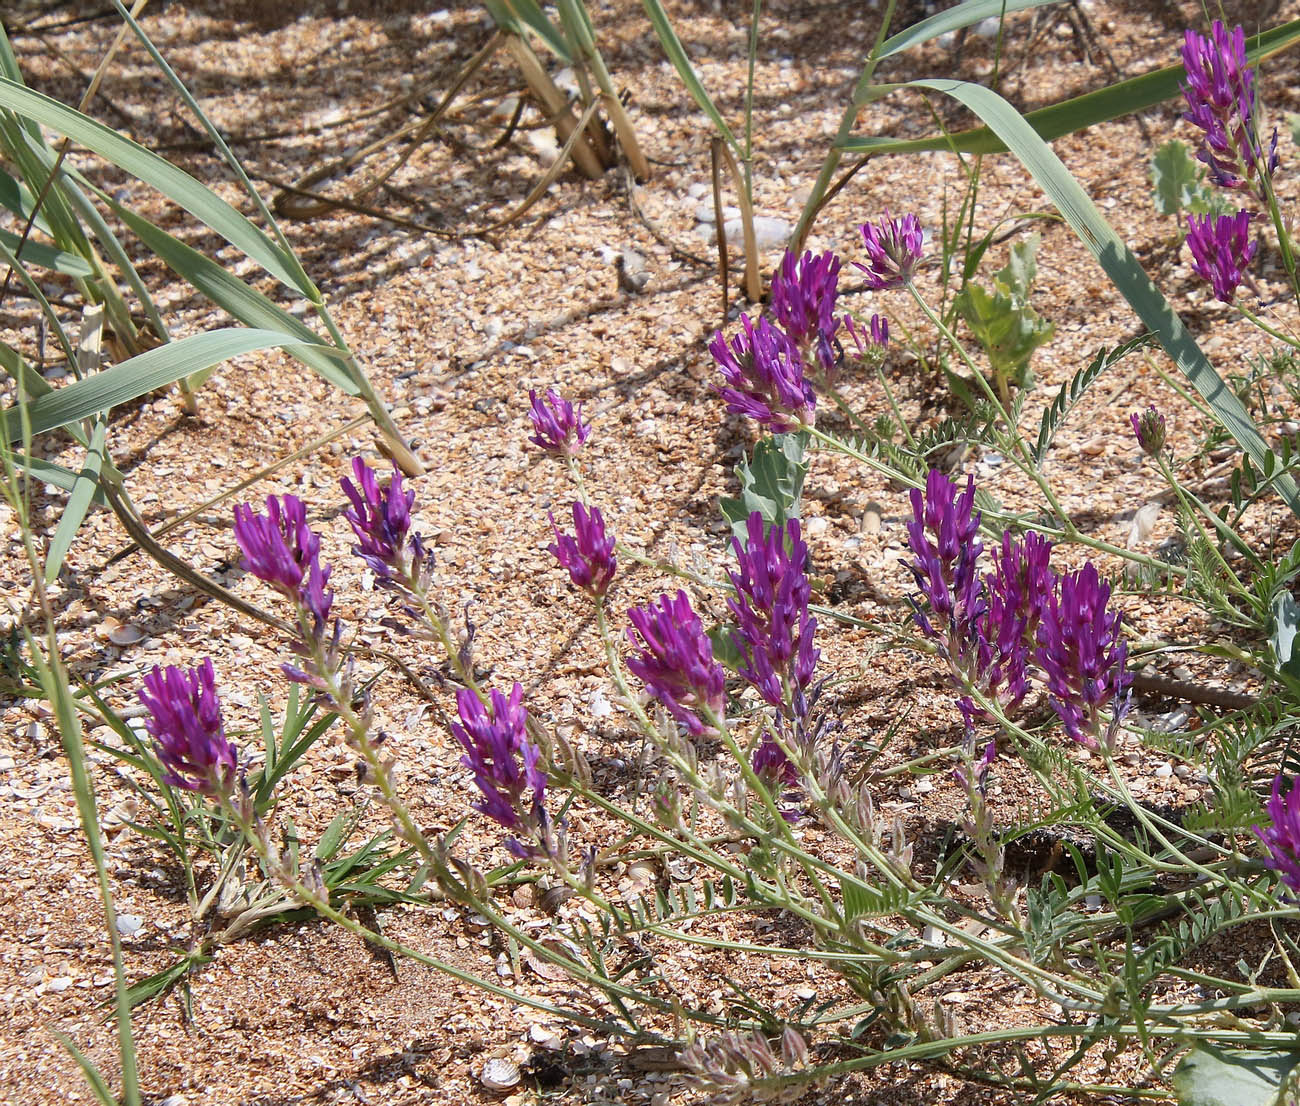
[1149, 430]
[674, 660]
[506, 764]
[557, 425]
[1221, 248]
[280, 549]
[804, 291]
[894, 248]
[381, 520]
[1021, 620]
[1220, 94]
[774, 632]
[187, 729]
[1282, 836]
[764, 375]
[589, 553]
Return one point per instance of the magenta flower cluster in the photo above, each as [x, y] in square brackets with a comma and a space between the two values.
[381, 520]
[894, 249]
[507, 765]
[763, 372]
[280, 549]
[1022, 620]
[674, 659]
[774, 633]
[1222, 248]
[1282, 836]
[803, 298]
[1220, 95]
[1149, 430]
[588, 554]
[187, 729]
[557, 425]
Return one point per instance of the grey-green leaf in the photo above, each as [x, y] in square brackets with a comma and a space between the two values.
[1208, 1076]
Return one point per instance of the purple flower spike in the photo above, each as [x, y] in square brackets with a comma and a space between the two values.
[380, 518]
[185, 724]
[558, 425]
[894, 248]
[803, 301]
[945, 567]
[1015, 595]
[505, 763]
[1082, 653]
[1221, 250]
[1149, 429]
[1220, 94]
[280, 549]
[765, 377]
[870, 345]
[775, 633]
[1282, 838]
[589, 555]
[675, 660]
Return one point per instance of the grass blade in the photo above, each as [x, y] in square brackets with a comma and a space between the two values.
[954, 19]
[177, 185]
[1098, 106]
[1119, 263]
[79, 501]
[140, 375]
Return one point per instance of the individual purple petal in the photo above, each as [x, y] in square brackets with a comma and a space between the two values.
[894, 247]
[764, 377]
[674, 660]
[557, 425]
[1221, 248]
[186, 726]
[1282, 837]
[589, 554]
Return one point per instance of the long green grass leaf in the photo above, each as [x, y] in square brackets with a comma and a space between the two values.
[177, 185]
[231, 294]
[79, 501]
[1087, 110]
[98, 1084]
[47, 257]
[140, 375]
[1119, 263]
[954, 19]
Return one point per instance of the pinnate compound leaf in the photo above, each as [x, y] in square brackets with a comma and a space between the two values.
[1209, 1076]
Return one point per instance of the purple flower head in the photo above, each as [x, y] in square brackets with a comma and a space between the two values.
[1149, 429]
[185, 724]
[774, 632]
[1220, 94]
[280, 549]
[803, 301]
[1015, 594]
[1221, 250]
[380, 518]
[1282, 837]
[1082, 653]
[675, 660]
[943, 538]
[558, 426]
[589, 554]
[894, 247]
[506, 764]
[764, 375]
[870, 345]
